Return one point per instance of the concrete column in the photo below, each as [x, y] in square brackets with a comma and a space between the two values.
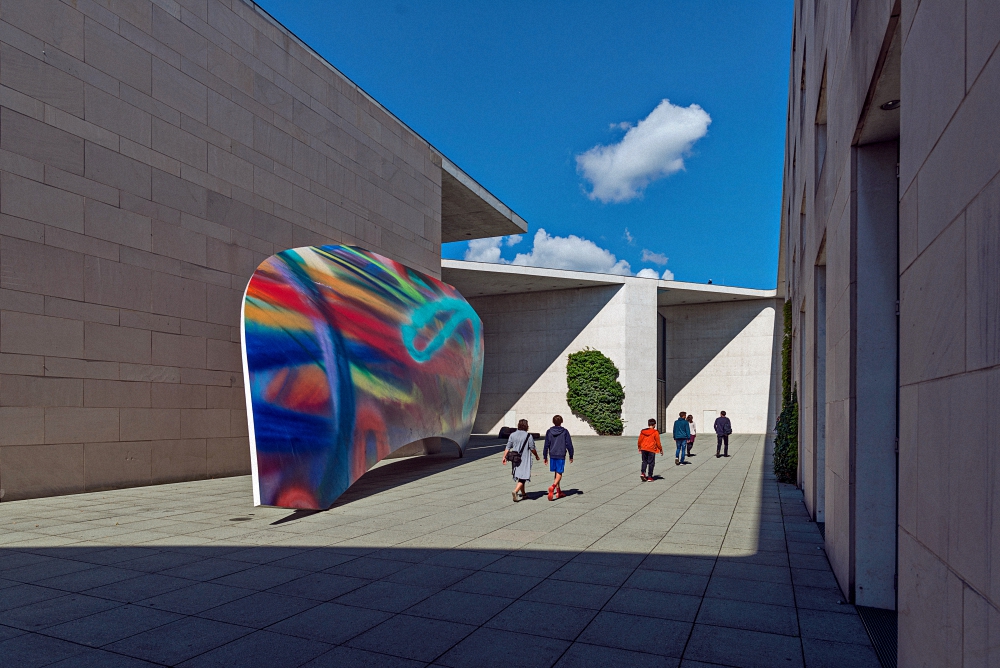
[873, 451]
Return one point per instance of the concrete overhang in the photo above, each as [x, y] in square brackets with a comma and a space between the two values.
[480, 279]
[470, 211]
[673, 293]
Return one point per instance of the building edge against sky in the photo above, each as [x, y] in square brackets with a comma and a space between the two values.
[889, 256]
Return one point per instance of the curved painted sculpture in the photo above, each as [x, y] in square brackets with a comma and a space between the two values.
[348, 356]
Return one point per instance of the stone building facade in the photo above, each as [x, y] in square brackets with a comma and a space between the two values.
[890, 256]
[152, 153]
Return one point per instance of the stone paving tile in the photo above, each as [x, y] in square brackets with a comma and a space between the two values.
[581, 655]
[426, 560]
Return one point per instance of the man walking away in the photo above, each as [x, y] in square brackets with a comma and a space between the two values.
[723, 428]
[557, 444]
[682, 432]
[649, 446]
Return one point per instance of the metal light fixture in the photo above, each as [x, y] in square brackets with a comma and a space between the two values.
[891, 105]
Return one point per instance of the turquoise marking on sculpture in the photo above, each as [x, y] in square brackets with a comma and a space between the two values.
[460, 312]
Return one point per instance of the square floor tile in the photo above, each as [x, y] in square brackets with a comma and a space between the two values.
[261, 648]
[30, 650]
[679, 607]
[260, 577]
[577, 571]
[195, 598]
[105, 627]
[827, 654]
[427, 575]
[416, 638]
[580, 655]
[749, 616]
[25, 594]
[459, 606]
[516, 564]
[54, 611]
[753, 591]
[139, 588]
[96, 658]
[89, 578]
[493, 648]
[258, 610]
[468, 559]
[748, 571]
[667, 581]
[543, 619]
[743, 649]
[181, 640]
[839, 627]
[386, 596]
[679, 564]
[206, 569]
[341, 657]
[331, 623]
[319, 586]
[508, 585]
[369, 568]
[640, 634]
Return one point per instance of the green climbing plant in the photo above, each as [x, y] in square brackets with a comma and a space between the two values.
[786, 440]
[594, 393]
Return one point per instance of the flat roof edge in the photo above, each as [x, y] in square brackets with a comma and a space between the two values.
[447, 165]
[482, 193]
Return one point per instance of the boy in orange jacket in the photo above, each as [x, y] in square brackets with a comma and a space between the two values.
[649, 446]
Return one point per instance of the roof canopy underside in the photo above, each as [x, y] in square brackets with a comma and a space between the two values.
[469, 211]
[481, 279]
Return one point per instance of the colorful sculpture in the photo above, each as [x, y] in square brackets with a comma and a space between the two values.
[348, 356]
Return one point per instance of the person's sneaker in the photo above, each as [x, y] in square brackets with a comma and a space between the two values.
[642, 477]
[717, 456]
[550, 493]
[514, 496]
[676, 461]
[650, 478]
[560, 494]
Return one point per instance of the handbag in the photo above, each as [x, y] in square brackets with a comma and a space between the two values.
[514, 456]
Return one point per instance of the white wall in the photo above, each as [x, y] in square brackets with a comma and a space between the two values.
[720, 357]
[528, 337]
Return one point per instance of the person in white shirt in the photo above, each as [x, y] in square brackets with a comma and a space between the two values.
[693, 434]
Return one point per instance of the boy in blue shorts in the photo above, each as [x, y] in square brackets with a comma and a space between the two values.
[557, 444]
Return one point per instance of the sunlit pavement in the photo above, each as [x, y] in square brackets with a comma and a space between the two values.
[427, 561]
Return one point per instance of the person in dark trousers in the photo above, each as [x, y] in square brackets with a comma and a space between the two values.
[649, 446]
[557, 444]
[723, 428]
[682, 432]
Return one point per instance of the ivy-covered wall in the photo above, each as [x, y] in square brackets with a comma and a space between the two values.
[594, 393]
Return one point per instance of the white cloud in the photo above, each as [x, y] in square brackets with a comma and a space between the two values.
[655, 258]
[571, 252]
[628, 237]
[654, 148]
[484, 250]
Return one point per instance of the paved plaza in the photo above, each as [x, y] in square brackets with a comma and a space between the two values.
[427, 561]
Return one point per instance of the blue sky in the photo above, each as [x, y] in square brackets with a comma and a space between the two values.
[513, 92]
